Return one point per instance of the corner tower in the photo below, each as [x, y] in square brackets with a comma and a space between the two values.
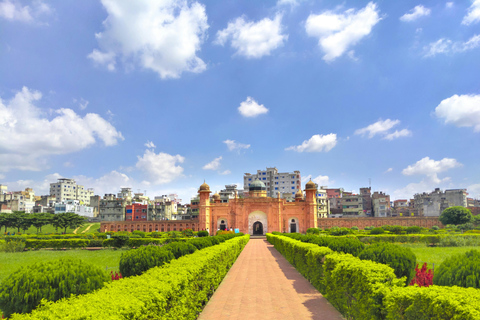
[311, 203]
[204, 207]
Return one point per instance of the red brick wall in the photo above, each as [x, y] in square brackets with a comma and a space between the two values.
[150, 226]
[426, 222]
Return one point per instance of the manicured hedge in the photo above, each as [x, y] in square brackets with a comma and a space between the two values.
[177, 290]
[415, 238]
[363, 289]
[56, 243]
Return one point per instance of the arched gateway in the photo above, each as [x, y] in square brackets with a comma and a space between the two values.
[257, 223]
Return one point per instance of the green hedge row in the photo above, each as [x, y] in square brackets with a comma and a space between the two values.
[414, 238]
[135, 242]
[362, 289]
[57, 243]
[177, 290]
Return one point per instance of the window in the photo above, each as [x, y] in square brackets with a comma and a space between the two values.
[293, 187]
[250, 179]
[264, 173]
[276, 178]
[276, 188]
[276, 182]
[129, 210]
[293, 182]
[264, 178]
[293, 177]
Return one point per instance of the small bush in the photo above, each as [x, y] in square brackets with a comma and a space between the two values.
[119, 240]
[368, 228]
[435, 228]
[377, 231]
[139, 233]
[461, 270]
[313, 231]
[202, 233]
[136, 262]
[452, 241]
[346, 245]
[23, 290]
[414, 229]
[355, 228]
[187, 233]
[401, 260]
[180, 249]
[336, 231]
[13, 245]
[96, 243]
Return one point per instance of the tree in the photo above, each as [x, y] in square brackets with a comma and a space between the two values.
[4, 220]
[456, 215]
[26, 222]
[41, 219]
[17, 218]
[68, 219]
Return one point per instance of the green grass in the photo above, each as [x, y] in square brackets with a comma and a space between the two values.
[435, 255]
[51, 229]
[106, 259]
[94, 228]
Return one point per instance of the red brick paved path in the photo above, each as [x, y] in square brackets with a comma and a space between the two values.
[263, 285]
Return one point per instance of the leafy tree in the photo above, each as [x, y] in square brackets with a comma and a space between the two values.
[17, 219]
[41, 219]
[26, 222]
[4, 220]
[456, 215]
[67, 219]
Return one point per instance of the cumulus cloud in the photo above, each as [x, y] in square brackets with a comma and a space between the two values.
[398, 134]
[225, 172]
[26, 130]
[250, 108]
[415, 13]
[449, 5]
[110, 183]
[159, 35]
[461, 111]
[338, 32]
[382, 127]
[425, 185]
[214, 165]
[14, 11]
[317, 143]
[150, 145]
[473, 15]
[253, 39]
[232, 145]
[160, 168]
[447, 46]
[320, 180]
[388, 170]
[431, 168]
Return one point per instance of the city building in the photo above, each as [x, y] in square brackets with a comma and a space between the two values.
[322, 202]
[353, 205]
[67, 189]
[18, 200]
[138, 212]
[74, 206]
[3, 189]
[112, 208]
[165, 207]
[432, 204]
[366, 193]
[229, 193]
[285, 183]
[381, 205]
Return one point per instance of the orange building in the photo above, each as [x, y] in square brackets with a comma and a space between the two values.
[255, 214]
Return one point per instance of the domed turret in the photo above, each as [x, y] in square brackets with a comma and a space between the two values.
[310, 185]
[216, 196]
[257, 185]
[204, 187]
[299, 195]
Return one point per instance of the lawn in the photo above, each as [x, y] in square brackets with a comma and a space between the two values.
[435, 255]
[106, 259]
[51, 229]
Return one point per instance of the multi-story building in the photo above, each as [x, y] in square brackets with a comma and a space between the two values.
[285, 183]
[67, 189]
[322, 202]
[3, 189]
[433, 203]
[112, 208]
[164, 208]
[138, 212]
[353, 205]
[230, 192]
[381, 204]
[366, 193]
[74, 206]
[18, 200]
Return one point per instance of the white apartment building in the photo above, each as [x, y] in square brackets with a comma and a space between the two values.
[75, 207]
[285, 183]
[68, 189]
[322, 202]
[18, 200]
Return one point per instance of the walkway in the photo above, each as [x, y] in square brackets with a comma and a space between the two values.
[263, 285]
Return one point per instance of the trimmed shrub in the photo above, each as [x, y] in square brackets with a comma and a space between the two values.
[435, 228]
[336, 231]
[377, 231]
[401, 260]
[178, 290]
[202, 233]
[119, 240]
[142, 234]
[413, 229]
[23, 290]
[138, 242]
[56, 243]
[355, 228]
[313, 231]
[16, 245]
[136, 262]
[180, 248]
[346, 245]
[461, 270]
[95, 243]
[188, 233]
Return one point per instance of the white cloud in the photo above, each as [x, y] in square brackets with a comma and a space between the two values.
[214, 165]
[232, 145]
[449, 5]
[14, 11]
[461, 111]
[225, 172]
[320, 180]
[415, 13]
[317, 143]
[109, 183]
[250, 108]
[2, 176]
[159, 35]
[474, 190]
[253, 39]
[447, 46]
[380, 127]
[473, 15]
[160, 168]
[431, 168]
[292, 3]
[388, 170]
[337, 33]
[68, 164]
[150, 144]
[27, 130]
[397, 134]
[82, 103]
[425, 185]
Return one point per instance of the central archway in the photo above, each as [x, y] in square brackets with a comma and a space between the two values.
[260, 228]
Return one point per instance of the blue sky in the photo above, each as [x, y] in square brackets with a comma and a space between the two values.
[160, 95]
